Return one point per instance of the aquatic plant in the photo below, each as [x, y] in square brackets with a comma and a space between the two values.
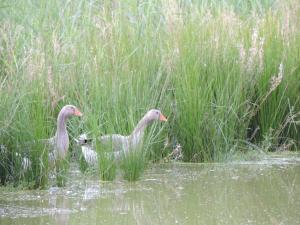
[212, 67]
[106, 162]
[133, 164]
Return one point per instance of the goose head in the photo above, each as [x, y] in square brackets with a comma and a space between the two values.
[151, 116]
[83, 140]
[69, 110]
[155, 114]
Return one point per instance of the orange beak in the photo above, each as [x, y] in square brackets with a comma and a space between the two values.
[77, 113]
[162, 118]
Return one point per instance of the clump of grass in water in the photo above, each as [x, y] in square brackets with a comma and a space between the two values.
[62, 167]
[37, 173]
[83, 165]
[107, 167]
[106, 162]
[133, 164]
[29, 155]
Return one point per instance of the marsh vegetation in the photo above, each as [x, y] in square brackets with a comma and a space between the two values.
[226, 74]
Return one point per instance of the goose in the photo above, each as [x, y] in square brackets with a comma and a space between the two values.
[120, 143]
[89, 155]
[59, 143]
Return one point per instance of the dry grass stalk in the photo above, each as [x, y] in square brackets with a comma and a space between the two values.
[230, 22]
[56, 44]
[35, 60]
[274, 83]
[9, 34]
[289, 26]
[252, 60]
[55, 97]
[172, 13]
[276, 80]
[174, 23]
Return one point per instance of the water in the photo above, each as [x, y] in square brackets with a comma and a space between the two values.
[264, 192]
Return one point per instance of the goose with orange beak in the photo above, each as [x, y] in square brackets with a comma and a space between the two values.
[124, 143]
[59, 143]
[120, 143]
[61, 138]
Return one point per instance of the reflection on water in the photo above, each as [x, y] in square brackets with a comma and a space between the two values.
[265, 192]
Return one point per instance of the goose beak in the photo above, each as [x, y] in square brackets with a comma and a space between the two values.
[162, 118]
[77, 113]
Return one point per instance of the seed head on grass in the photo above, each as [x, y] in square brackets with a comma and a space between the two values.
[276, 80]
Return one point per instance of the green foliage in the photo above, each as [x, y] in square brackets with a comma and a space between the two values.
[83, 165]
[133, 164]
[107, 168]
[212, 67]
[61, 166]
[106, 162]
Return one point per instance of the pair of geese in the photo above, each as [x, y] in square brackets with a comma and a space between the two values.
[120, 144]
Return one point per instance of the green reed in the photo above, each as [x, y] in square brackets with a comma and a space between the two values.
[213, 68]
[133, 164]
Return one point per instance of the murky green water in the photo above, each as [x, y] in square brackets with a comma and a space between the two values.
[265, 192]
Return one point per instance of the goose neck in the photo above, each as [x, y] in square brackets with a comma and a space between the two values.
[142, 124]
[61, 124]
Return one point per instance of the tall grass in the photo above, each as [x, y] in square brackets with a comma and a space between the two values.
[231, 84]
[133, 164]
[106, 162]
[207, 65]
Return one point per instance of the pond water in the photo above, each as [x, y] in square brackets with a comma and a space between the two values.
[263, 192]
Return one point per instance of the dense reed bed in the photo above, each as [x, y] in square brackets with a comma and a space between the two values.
[226, 75]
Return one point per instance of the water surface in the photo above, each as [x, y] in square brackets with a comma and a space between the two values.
[263, 192]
